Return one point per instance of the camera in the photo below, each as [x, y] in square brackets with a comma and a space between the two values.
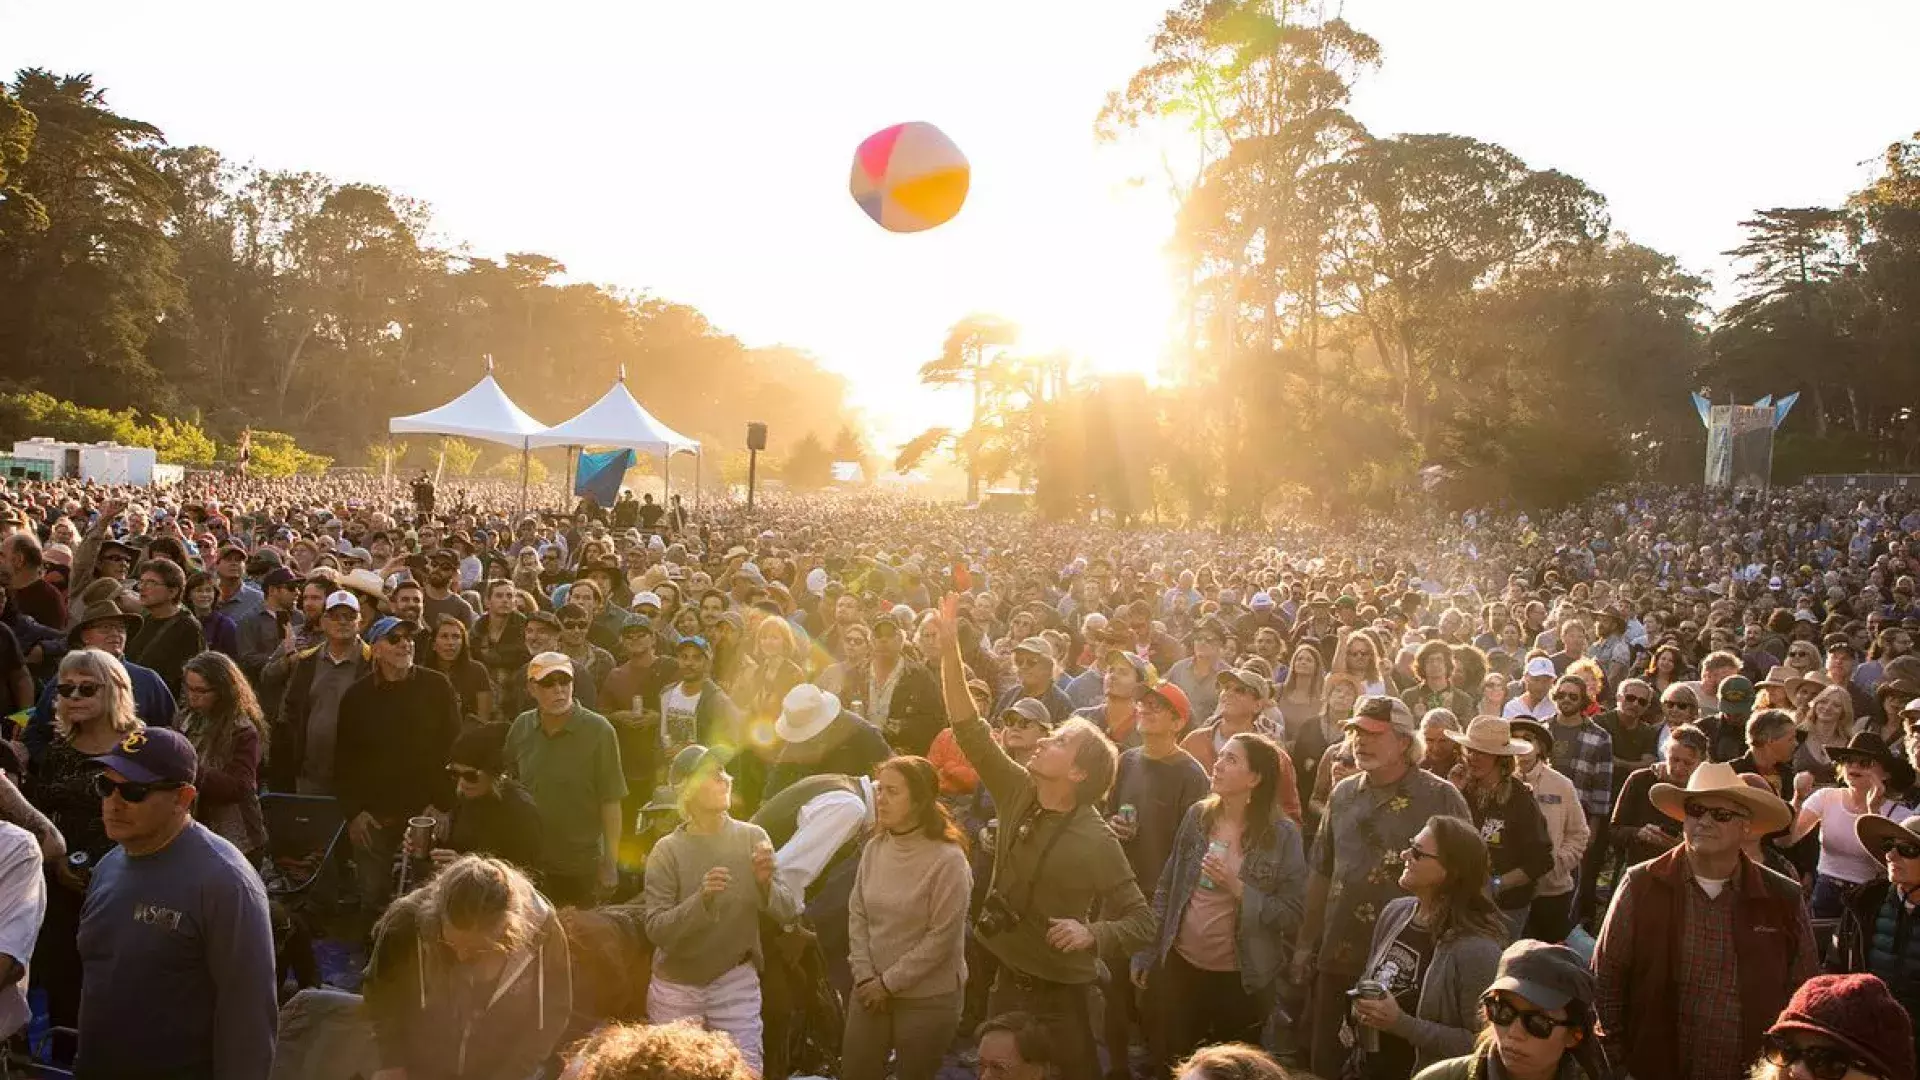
[995, 916]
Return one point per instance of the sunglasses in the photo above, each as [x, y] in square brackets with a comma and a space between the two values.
[558, 678]
[1906, 850]
[1683, 706]
[1501, 1012]
[73, 690]
[129, 791]
[1569, 697]
[461, 772]
[1824, 1062]
[1635, 699]
[1413, 854]
[1721, 814]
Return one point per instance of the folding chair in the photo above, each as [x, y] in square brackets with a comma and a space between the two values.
[303, 831]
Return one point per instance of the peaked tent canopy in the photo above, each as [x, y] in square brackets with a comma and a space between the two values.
[484, 412]
[617, 422]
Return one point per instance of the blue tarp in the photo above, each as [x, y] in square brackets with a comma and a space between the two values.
[599, 475]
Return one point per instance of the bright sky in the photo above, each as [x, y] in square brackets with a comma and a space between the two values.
[701, 150]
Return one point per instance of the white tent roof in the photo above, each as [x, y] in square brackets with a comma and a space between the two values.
[617, 421]
[484, 412]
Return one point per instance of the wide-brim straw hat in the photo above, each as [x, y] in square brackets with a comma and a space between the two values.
[1491, 735]
[1816, 678]
[1877, 833]
[1770, 813]
[1779, 677]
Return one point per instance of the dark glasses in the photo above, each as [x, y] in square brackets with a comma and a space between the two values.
[1414, 854]
[1569, 696]
[73, 690]
[1635, 699]
[130, 791]
[558, 678]
[461, 772]
[1721, 814]
[1824, 1062]
[1683, 706]
[1501, 1012]
[1906, 850]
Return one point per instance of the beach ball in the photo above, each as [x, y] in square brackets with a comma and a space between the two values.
[909, 177]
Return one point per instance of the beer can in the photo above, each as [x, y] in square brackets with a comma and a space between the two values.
[1129, 815]
[420, 835]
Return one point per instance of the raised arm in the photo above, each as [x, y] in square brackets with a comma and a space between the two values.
[999, 772]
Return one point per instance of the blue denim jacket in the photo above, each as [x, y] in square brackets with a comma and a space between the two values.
[1274, 876]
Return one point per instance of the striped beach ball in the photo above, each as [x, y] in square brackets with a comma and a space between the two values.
[909, 177]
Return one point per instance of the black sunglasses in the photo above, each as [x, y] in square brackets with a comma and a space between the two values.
[73, 690]
[1824, 1062]
[1501, 1012]
[1906, 850]
[1683, 706]
[1414, 854]
[1635, 699]
[130, 791]
[558, 678]
[461, 772]
[1721, 814]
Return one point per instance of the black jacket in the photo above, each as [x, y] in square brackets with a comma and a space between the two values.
[390, 756]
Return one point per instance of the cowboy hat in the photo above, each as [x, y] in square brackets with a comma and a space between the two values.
[1877, 833]
[1865, 747]
[365, 581]
[1491, 735]
[99, 613]
[1816, 678]
[1779, 677]
[1523, 726]
[805, 713]
[1770, 814]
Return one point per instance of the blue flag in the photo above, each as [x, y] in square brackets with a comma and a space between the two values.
[599, 475]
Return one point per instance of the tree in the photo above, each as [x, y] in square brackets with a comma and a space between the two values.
[456, 456]
[809, 465]
[973, 356]
[20, 211]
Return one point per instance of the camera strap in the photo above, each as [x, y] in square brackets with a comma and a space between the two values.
[1004, 852]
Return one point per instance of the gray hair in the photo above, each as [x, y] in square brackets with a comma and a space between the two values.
[1639, 684]
[1767, 725]
[116, 690]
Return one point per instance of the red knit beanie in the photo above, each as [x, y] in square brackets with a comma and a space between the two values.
[1859, 1013]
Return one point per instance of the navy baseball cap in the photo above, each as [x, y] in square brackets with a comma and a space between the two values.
[153, 755]
[386, 625]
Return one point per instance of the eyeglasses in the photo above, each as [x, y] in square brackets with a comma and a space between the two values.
[1501, 1012]
[1683, 706]
[73, 690]
[1413, 854]
[558, 678]
[130, 791]
[1634, 699]
[1824, 1062]
[461, 772]
[1721, 814]
[573, 624]
[1569, 696]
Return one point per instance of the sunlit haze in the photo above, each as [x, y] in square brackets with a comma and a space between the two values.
[700, 151]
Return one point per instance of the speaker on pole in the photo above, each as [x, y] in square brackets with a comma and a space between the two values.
[756, 442]
[756, 436]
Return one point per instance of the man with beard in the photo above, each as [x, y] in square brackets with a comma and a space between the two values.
[1582, 752]
[443, 569]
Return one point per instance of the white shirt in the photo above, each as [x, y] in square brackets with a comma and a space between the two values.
[23, 903]
[823, 827]
[1543, 710]
[679, 723]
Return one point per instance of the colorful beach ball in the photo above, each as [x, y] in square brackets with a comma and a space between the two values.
[910, 177]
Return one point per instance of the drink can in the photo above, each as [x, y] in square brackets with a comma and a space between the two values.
[419, 835]
[1129, 815]
[1217, 847]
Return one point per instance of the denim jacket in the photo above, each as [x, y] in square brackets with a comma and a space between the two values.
[1274, 877]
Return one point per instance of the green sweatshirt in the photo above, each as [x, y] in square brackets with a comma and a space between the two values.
[698, 940]
[1086, 870]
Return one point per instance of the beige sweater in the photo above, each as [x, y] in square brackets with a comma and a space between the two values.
[907, 916]
[1566, 826]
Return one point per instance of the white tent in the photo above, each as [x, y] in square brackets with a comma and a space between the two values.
[617, 422]
[484, 412]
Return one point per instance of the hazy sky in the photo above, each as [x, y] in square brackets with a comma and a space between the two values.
[700, 150]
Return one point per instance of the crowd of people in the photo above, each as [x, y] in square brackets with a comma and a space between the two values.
[853, 785]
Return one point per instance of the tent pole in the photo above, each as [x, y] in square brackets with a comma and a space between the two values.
[526, 452]
[387, 480]
[698, 457]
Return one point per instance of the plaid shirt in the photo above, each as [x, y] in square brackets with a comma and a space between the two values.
[1584, 755]
[1706, 980]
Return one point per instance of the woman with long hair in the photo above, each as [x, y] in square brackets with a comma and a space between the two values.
[1303, 694]
[1358, 655]
[906, 922]
[1540, 1021]
[1667, 665]
[1228, 904]
[1434, 953]
[847, 679]
[1844, 866]
[92, 713]
[222, 719]
[1493, 694]
[1311, 740]
[453, 657]
[1826, 724]
[469, 976]
[220, 632]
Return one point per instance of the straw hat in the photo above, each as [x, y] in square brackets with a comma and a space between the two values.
[1491, 735]
[1779, 677]
[1816, 678]
[1770, 814]
[1877, 833]
[805, 712]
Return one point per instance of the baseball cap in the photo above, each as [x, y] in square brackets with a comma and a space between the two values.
[388, 625]
[1549, 976]
[642, 599]
[547, 663]
[1173, 696]
[1736, 696]
[279, 576]
[1260, 602]
[343, 598]
[1378, 713]
[1252, 680]
[1539, 666]
[1036, 645]
[1030, 711]
[153, 756]
[695, 641]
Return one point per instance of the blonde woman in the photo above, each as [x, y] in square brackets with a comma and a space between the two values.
[92, 714]
[1358, 655]
[469, 976]
[1826, 724]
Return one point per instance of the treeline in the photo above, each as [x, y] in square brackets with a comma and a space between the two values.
[1365, 315]
[179, 283]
